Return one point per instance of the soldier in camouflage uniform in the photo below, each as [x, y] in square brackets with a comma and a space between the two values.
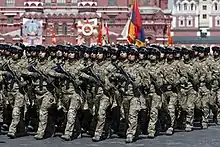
[204, 76]
[215, 83]
[44, 90]
[16, 69]
[188, 96]
[131, 92]
[170, 76]
[155, 93]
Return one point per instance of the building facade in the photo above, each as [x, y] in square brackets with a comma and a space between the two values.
[64, 15]
[196, 22]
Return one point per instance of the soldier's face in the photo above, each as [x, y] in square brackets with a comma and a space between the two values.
[33, 53]
[216, 54]
[100, 56]
[141, 56]
[65, 54]
[86, 55]
[162, 55]
[28, 54]
[186, 56]
[42, 54]
[71, 55]
[113, 57]
[131, 57]
[123, 54]
[7, 52]
[15, 56]
[170, 56]
[59, 54]
[93, 55]
[153, 57]
[53, 54]
[177, 55]
[201, 55]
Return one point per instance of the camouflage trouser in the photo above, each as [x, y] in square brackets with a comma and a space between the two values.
[1, 106]
[155, 103]
[215, 102]
[170, 105]
[204, 95]
[105, 102]
[188, 102]
[16, 112]
[75, 104]
[47, 101]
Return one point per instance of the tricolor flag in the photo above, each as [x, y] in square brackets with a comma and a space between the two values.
[53, 35]
[135, 29]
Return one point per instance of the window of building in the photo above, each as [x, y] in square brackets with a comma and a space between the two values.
[145, 2]
[185, 6]
[189, 22]
[61, 2]
[204, 16]
[112, 2]
[56, 28]
[204, 7]
[9, 3]
[10, 19]
[218, 23]
[181, 23]
[47, 2]
[64, 29]
[215, 6]
[192, 7]
[179, 7]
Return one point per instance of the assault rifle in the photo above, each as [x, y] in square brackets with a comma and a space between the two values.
[127, 75]
[60, 69]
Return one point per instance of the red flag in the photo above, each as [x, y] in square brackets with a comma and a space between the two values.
[170, 40]
[53, 35]
[99, 40]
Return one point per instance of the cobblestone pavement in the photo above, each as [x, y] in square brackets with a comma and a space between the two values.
[197, 138]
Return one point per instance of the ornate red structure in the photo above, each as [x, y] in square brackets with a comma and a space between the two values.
[64, 14]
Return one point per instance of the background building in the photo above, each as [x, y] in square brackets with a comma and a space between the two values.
[64, 15]
[196, 22]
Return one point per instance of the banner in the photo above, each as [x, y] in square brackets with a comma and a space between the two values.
[32, 32]
[87, 31]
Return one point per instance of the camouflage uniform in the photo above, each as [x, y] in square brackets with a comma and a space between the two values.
[203, 91]
[14, 93]
[170, 76]
[188, 96]
[72, 96]
[155, 95]
[45, 94]
[131, 101]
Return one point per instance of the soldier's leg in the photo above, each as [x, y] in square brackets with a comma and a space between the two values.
[218, 106]
[172, 112]
[190, 108]
[75, 104]
[47, 102]
[16, 114]
[205, 110]
[104, 104]
[155, 106]
[132, 118]
[1, 109]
